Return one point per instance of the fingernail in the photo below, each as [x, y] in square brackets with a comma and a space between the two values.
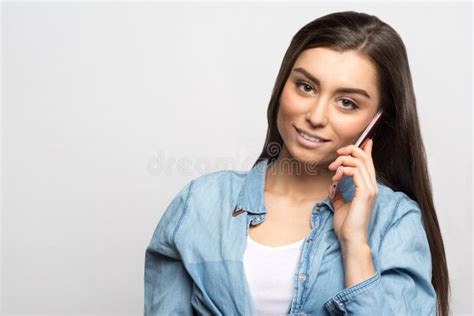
[331, 192]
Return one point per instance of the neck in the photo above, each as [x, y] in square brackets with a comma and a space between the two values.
[298, 180]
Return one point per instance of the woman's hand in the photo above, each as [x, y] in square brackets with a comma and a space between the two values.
[351, 220]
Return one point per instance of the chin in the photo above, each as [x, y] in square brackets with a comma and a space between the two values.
[308, 157]
[302, 155]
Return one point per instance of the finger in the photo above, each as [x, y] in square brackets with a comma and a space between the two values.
[365, 155]
[346, 160]
[359, 152]
[369, 170]
[369, 180]
[350, 171]
[367, 147]
[370, 164]
[355, 162]
[366, 141]
[338, 200]
[339, 174]
[360, 180]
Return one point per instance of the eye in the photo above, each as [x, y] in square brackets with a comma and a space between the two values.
[304, 85]
[307, 85]
[350, 103]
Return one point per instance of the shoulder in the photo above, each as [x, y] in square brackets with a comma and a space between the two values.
[196, 201]
[391, 206]
[217, 182]
[209, 193]
[209, 183]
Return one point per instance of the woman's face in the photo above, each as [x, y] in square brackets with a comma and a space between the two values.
[313, 100]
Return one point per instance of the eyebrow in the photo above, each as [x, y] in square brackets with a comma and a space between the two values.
[342, 90]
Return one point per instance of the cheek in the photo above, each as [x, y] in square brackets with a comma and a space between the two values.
[288, 112]
[347, 130]
[290, 102]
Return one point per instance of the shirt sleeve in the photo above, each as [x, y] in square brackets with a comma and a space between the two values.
[168, 286]
[402, 283]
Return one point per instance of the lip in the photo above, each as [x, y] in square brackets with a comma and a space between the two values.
[310, 134]
[306, 143]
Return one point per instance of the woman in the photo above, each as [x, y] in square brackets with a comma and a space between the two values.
[271, 240]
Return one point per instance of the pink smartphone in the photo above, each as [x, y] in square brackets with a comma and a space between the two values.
[368, 133]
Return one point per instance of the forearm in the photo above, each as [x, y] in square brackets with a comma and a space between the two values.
[358, 264]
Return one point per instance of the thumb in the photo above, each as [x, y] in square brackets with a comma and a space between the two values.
[338, 200]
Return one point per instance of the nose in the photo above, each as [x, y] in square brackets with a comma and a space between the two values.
[317, 115]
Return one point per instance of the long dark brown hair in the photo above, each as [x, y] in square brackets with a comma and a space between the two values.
[398, 153]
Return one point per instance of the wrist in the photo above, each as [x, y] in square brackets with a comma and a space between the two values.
[355, 247]
[358, 264]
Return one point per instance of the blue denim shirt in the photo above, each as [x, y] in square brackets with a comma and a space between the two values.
[193, 263]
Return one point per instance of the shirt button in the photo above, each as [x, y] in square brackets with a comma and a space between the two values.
[302, 277]
[309, 240]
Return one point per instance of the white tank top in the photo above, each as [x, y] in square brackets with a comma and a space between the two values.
[270, 272]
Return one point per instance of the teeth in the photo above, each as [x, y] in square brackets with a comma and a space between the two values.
[310, 138]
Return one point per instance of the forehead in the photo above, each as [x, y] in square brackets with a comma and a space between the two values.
[344, 69]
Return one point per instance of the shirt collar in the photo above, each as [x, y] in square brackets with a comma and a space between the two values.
[251, 195]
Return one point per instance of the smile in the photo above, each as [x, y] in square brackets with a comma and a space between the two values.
[309, 141]
[310, 138]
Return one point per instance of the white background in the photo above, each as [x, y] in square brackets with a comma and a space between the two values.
[98, 98]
